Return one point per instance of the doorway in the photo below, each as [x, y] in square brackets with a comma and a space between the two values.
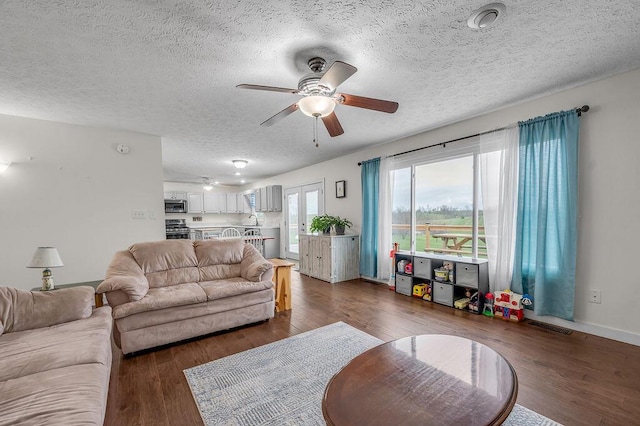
[302, 204]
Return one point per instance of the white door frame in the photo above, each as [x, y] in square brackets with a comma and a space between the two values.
[302, 227]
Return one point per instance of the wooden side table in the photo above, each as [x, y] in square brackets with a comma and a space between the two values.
[282, 280]
[94, 284]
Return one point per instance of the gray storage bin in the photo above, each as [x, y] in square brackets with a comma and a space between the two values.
[467, 274]
[442, 293]
[403, 285]
[422, 267]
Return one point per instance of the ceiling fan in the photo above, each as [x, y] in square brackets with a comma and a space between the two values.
[318, 89]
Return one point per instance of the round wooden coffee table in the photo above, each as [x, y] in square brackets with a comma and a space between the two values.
[423, 380]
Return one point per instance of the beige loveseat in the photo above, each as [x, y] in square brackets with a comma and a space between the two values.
[55, 357]
[167, 291]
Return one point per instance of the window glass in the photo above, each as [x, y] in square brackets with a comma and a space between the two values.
[401, 215]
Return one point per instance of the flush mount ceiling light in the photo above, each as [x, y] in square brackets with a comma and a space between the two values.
[4, 165]
[486, 15]
[240, 164]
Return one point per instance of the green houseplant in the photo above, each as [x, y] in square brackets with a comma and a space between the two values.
[324, 223]
[321, 224]
[339, 224]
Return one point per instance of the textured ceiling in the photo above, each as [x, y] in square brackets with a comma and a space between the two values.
[170, 68]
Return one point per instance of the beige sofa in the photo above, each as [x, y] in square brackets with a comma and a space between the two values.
[167, 291]
[55, 357]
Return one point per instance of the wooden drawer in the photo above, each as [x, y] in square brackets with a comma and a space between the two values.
[403, 284]
[422, 267]
[467, 275]
[442, 293]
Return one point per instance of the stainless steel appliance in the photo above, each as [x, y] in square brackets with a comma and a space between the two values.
[175, 206]
[176, 229]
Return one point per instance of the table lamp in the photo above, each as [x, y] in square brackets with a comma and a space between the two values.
[46, 257]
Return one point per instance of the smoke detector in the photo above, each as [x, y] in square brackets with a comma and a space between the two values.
[486, 15]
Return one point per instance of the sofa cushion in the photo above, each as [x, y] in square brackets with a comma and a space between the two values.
[163, 255]
[74, 395]
[220, 289]
[219, 252]
[173, 277]
[162, 297]
[184, 313]
[77, 342]
[24, 310]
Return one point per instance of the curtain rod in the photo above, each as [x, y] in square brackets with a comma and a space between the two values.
[578, 110]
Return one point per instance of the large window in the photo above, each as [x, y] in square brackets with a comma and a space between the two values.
[434, 211]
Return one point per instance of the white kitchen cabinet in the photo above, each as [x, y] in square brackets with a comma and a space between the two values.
[232, 203]
[172, 195]
[331, 258]
[274, 198]
[195, 202]
[215, 203]
[244, 203]
[268, 198]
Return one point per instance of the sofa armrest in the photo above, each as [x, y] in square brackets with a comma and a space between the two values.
[135, 287]
[254, 267]
[25, 310]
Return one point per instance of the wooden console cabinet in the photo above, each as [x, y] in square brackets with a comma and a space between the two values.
[331, 258]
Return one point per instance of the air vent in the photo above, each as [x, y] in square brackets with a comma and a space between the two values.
[550, 327]
[486, 15]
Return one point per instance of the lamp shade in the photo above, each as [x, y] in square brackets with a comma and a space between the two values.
[46, 257]
[316, 105]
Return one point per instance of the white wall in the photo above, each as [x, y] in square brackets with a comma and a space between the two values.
[77, 194]
[609, 231]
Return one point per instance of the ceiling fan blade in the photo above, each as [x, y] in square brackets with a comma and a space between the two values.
[368, 103]
[268, 88]
[279, 116]
[332, 124]
[337, 73]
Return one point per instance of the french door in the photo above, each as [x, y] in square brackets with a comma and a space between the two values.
[302, 204]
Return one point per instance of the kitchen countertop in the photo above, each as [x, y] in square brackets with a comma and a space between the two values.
[218, 226]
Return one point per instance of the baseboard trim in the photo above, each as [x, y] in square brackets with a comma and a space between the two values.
[596, 330]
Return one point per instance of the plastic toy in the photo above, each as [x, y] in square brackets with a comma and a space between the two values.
[474, 302]
[461, 303]
[427, 293]
[488, 305]
[508, 305]
[408, 269]
[419, 290]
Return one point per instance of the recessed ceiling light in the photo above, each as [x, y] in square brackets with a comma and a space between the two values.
[241, 180]
[486, 15]
[237, 173]
[217, 182]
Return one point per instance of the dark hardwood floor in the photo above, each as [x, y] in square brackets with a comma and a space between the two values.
[576, 379]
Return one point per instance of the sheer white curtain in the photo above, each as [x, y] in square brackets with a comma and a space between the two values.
[385, 206]
[499, 185]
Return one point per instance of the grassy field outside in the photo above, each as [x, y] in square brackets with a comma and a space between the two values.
[402, 237]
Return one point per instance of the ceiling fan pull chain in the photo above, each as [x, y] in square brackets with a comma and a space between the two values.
[315, 130]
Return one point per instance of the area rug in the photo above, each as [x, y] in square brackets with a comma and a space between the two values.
[282, 383]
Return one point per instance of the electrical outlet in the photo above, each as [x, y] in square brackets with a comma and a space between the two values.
[138, 214]
[595, 296]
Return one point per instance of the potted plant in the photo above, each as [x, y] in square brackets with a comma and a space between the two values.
[321, 224]
[339, 224]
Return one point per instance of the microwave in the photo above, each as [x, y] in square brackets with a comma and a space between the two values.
[175, 206]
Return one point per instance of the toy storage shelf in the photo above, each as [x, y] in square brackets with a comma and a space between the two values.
[469, 276]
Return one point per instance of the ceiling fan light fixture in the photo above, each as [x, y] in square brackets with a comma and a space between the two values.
[316, 106]
[240, 164]
[207, 184]
[486, 15]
